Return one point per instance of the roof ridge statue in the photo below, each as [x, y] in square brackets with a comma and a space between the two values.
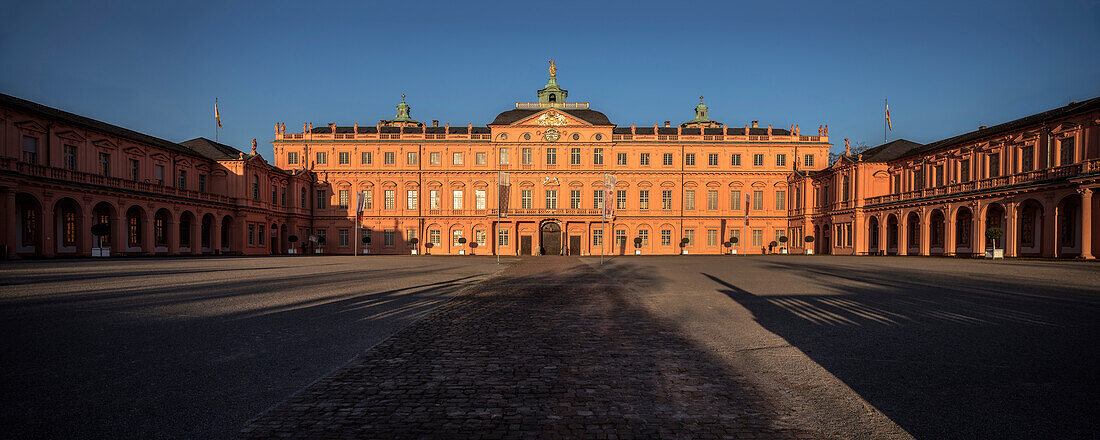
[553, 68]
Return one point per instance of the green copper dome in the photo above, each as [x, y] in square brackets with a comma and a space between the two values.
[403, 111]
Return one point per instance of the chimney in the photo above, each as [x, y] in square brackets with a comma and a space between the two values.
[332, 126]
[668, 123]
[435, 122]
[754, 124]
[982, 127]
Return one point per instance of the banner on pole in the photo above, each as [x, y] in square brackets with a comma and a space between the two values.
[608, 196]
[503, 186]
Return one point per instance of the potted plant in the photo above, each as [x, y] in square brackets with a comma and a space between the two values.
[637, 245]
[809, 249]
[473, 245]
[461, 241]
[771, 246]
[732, 242]
[412, 242]
[428, 246]
[292, 239]
[783, 244]
[683, 246]
[993, 234]
[320, 245]
[366, 243]
[100, 230]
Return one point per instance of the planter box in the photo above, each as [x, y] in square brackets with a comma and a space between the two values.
[783, 250]
[101, 252]
[637, 252]
[413, 252]
[462, 252]
[291, 251]
[318, 251]
[733, 251]
[684, 252]
[998, 254]
[809, 251]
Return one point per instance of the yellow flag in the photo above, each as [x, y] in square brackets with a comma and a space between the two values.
[217, 116]
[888, 123]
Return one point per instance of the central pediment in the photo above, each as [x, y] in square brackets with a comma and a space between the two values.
[551, 117]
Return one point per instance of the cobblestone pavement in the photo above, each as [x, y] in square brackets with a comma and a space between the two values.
[549, 348]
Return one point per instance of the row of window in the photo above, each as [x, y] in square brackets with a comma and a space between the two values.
[938, 175]
[754, 202]
[526, 158]
[70, 162]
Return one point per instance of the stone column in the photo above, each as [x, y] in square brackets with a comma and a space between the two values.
[903, 234]
[11, 220]
[949, 232]
[1050, 224]
[216, 235]
[85, 238]
[196, 235]
[172, 228]
[926, 233]
[49, 230]
[1011, 232]
[148, 241]
[1086, 223]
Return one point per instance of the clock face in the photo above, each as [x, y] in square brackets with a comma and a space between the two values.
[551, 135]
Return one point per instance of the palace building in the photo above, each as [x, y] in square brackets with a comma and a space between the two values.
[532, 181]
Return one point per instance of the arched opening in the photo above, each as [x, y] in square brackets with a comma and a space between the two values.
[936, 232]
[964, 236]
[275, 239]
[892, 234]
[817, 241]
[872, 235]
[1029, 221]
[69, 232]
[227, 234]
[994, 218]
[1069, 226]
[207, 233]
[187, 220]
[550, 239]
[826, 239]
[103, 214]
[283, 243]
[552, 98]
[160, 230]
[912, 226]
[135, 219]
[29, 241]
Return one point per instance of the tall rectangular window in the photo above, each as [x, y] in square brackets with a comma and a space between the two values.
[434, 158]
[158, 174]
[643, 159]
[666, 159]
[388, 158]
[525, 199]
[434, 237]
[104, 164]
[388, 238]
[689, 199]
[643, 199]
[181, 181]
[689, 234]
[758, 160]
[251, 235]
[644, 235]
[735, 237]
[575, 199]
[70, 157]
[712, 199]
[735, 159]
[666, 199]
[504, 158]
[808, 160]
[365, 158]
[712, 237]
[322, 158]
[202, 183]
[964, 170]
[456, 197]
[30, 149]
[409, 235]
[456, 158]
[781, 200]
[995, 165]
[1027, 158]
[575, 156]
[620, 199]
[551, 199]
[412, 199]
[412, 158]
[135, 170]
[274, 194]
[757, 237]
[433, 199]
[735, 200]
[502, 237]
[390, 199]
[368, 199]
[321, 197]
[1066, 151]
[757, 200]
[292, 158]
[456, 237]
[597, 199]
[479, 237]
[551, 156]
[620, 238]
[689, 159]
[343, 197]
[780, 160]
[597, 237]
[938, 169]
[597, 156]
[343, 237]
[666, 237]
[712, 159]
[345, 158]
[525, 156]
[620, 159]
[479, 159]
[479, 199]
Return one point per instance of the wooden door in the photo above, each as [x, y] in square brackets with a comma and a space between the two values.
[525, 245]
[574, 245]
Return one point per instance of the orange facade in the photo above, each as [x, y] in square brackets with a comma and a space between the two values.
[699, 181]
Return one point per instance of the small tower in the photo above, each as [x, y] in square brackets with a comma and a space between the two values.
[552, 93]
[403, 119]
[701, 119]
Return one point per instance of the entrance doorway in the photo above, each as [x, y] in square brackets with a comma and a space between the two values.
[551, 239]
[525, 245]
[574, 245]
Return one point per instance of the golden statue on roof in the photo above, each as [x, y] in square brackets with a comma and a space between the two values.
[553, 68]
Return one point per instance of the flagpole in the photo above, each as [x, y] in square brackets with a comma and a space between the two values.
[216, 122]
[885, 121]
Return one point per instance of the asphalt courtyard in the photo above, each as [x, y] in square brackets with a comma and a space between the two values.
[193, 348]
[639, 347]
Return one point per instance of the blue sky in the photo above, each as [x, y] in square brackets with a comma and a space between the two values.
[946, 67]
